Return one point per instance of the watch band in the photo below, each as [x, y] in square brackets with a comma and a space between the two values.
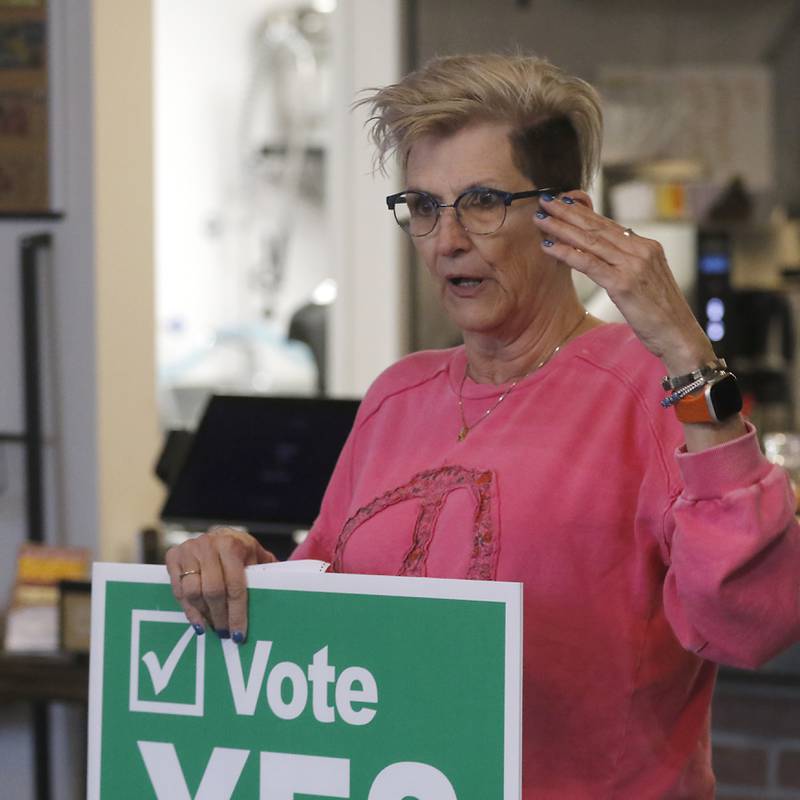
[694, 407]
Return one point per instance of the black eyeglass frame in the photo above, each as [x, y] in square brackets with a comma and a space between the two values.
[507, 197]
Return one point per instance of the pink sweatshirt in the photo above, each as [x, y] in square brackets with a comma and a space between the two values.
[641, 564]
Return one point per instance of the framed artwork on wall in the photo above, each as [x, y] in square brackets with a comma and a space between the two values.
[24, 112]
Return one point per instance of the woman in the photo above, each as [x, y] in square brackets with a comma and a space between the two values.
[540, 451]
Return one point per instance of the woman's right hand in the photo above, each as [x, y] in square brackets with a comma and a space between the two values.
[208, 579]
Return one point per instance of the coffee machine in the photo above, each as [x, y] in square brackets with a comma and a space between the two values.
[754, 330]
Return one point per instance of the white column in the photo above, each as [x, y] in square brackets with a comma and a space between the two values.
[368, 254]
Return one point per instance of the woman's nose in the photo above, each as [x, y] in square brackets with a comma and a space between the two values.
[450, 234]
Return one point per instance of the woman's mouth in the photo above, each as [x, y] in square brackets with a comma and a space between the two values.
[465, 287]
[465, 283]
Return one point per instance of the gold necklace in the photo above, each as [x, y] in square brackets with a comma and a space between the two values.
[465, 428]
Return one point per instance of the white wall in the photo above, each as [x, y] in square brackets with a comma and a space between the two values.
[202, 54]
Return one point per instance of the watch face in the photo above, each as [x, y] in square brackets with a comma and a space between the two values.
[725, 397]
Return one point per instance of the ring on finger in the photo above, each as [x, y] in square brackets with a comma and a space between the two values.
[628, 232]
[187, 572]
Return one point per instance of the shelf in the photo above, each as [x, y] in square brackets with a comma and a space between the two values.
[43, 678]
[15, 216]
[13, 438]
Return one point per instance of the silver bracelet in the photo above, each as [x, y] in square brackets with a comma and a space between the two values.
[670, 383]
[679, 394]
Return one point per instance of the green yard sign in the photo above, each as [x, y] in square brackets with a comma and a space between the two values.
[349, 686]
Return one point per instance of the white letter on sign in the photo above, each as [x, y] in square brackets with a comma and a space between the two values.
[245, 696]
[294, 708]
[219, 780]
[283, 775]
[346, 695]
[411, 779]
[320, 674]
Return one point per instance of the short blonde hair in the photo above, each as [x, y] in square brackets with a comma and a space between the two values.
[556, 119]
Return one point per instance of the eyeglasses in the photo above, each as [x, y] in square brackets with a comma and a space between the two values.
[480, 211]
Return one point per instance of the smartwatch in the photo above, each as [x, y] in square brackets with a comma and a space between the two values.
[716, 401]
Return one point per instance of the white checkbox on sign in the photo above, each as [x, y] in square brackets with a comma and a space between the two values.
[162, 664]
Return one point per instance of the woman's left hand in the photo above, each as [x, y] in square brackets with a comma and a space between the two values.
[634, 272]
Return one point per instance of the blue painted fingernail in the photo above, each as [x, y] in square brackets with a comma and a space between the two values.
[542, 214]
[223, 633]
[548, 197]
[568, 200]
[199, 629]
[238, 637]
[548, 242]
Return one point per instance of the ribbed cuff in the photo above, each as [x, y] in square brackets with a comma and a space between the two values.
[712, 473]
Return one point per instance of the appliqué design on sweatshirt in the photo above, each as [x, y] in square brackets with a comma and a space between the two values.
[431, 489]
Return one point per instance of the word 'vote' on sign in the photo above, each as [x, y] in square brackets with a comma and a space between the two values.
[353, 685]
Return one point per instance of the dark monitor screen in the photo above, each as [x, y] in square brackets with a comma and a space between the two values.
[260, 462]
